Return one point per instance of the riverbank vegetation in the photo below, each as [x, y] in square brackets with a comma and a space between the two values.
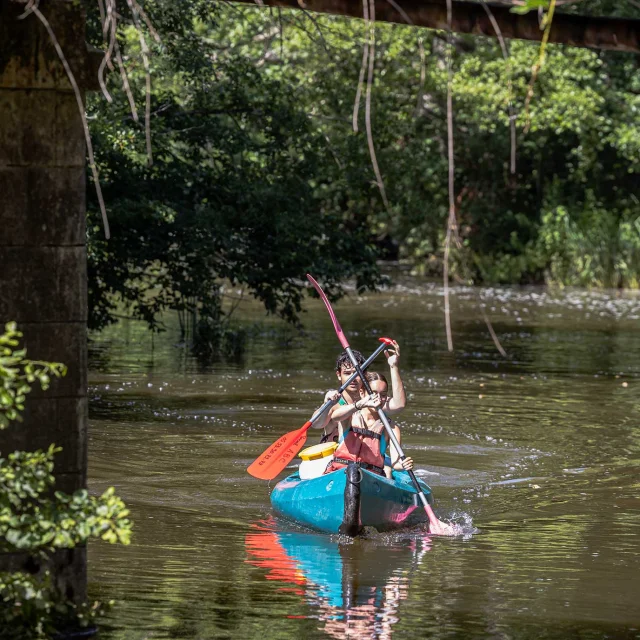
[258, 175]
[38, 521]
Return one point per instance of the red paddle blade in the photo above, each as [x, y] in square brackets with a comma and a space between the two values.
[278, 455]
[336, 325]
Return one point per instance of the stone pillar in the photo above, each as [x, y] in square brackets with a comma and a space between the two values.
[42, 234]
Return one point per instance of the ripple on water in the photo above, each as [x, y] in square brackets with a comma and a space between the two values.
[535, 456]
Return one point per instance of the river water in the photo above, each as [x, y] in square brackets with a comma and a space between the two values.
[536, 456]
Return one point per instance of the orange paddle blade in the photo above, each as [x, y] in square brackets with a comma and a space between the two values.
[278, 455]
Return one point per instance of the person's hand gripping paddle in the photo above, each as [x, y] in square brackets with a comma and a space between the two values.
[278, 455]
[435, 526]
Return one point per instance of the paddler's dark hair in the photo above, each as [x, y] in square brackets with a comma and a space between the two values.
[372, 376]
[344, 358]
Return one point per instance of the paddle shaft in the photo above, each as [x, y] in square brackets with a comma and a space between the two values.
[390, 431]
[435, 523]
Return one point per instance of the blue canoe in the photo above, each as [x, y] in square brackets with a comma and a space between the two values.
[349, 499]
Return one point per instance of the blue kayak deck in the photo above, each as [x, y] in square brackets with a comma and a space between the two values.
[349, 499]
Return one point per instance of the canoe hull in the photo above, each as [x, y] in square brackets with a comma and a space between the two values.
[350, 499]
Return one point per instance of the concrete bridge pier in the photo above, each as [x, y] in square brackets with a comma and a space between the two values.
[42, 240]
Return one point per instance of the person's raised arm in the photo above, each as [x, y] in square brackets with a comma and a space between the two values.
[398, 401]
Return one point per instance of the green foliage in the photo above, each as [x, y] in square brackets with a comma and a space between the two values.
[32, 608]
[235, 193]
[35, 518]
[593, 246]
[31, 520]
[529, 5]
[259, 178]
[581, 150]
[17, 374]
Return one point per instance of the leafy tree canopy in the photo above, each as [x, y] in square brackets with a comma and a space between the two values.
[238, 190]
[258, 176]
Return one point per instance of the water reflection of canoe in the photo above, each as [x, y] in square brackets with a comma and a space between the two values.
[344, 575]
[354, 588]
[349, 499]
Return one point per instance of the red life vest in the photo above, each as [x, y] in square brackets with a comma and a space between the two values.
[360, 444]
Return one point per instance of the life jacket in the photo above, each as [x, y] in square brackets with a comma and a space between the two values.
[362, 444]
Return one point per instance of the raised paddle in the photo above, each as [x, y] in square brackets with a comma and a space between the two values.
[436, 527]
[278, 455]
